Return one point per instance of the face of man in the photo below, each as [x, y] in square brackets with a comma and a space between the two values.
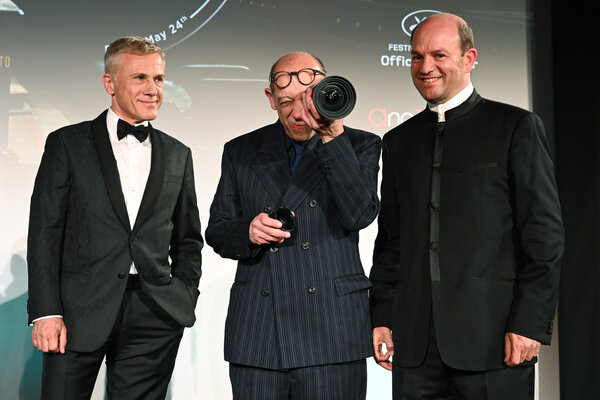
[438, 69]
[288, 101]
[136, 86]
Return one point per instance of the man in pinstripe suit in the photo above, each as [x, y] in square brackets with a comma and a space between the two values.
[298, 321]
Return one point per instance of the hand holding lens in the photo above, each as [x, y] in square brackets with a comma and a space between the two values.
[286, 217]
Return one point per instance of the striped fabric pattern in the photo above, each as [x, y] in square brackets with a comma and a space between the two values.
[303, 302]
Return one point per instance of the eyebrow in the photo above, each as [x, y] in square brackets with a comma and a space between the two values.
[440, 50]
[280, 98]
[144, 74]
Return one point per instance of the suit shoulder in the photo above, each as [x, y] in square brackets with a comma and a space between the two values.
[252, 138]
[494, 107]
[414, 123]
[170, 140]
[80, 128]
[508, 116]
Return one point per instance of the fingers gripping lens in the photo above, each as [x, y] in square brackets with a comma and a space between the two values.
[286, 217]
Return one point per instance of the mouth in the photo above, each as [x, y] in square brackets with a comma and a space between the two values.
[298, 127]
[430, 80]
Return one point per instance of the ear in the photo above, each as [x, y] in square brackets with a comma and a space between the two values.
[469, 59]
[269, 95]
[109, 84]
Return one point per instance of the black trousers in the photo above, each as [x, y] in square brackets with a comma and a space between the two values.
[345, 381]
[140, 355]
[437, 381]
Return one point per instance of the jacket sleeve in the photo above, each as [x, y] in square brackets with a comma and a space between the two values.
[539, 236]
[351, 169]
[383, 273]
[186, 239]
[227, 231]
[46, 230]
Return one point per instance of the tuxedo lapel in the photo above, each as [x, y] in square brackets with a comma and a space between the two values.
[307, 175]
[270, 162]
[110, 172]
[155, 178]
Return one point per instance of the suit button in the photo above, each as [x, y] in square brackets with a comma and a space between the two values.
[550, 327]
[265, 292]
[133, 238]
[312, 203]
[312, 289]
[433, 246]
[122, 276]
[268, 209]
[435, 206]
[305, 246]
[436, 165]
[274, 249]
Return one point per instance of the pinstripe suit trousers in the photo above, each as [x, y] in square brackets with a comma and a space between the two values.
[344, 381]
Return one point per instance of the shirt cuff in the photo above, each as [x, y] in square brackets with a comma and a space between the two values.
[45, 317]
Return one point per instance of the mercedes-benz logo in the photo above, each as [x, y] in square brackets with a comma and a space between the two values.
[413, 19]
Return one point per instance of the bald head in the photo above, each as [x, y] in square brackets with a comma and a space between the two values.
[464, 33]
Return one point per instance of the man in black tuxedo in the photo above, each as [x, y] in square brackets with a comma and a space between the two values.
[298, 320]
[112, 203]
[467, 258]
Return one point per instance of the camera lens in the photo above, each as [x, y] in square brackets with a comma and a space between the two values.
[286, 217]
[334, 97]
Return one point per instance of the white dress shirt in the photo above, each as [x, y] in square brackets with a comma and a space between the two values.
[133, 162]
[456, 101]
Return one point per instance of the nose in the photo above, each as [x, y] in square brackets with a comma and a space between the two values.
[150, 88]
[426, 65]
[297, 108]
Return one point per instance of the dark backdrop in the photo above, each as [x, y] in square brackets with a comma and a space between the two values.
[570, 79]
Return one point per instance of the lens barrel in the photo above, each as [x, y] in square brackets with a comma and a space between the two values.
[286, 217]
[334, 97]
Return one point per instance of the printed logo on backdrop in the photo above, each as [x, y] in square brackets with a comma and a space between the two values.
[398, 54]
[184, 23]
[410, 21]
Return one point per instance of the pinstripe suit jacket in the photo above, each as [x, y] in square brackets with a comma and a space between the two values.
[303, 302]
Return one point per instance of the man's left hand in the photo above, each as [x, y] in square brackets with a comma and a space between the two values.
[519, 348]
[327, 128]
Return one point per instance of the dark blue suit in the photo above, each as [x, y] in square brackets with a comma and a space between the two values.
[303, 302]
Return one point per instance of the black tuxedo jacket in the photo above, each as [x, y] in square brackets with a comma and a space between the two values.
[81, 245]
[304, 302]
[470, 230]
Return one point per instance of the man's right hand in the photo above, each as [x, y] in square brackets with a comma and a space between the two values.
[265, 230]
[383, 335]
[50, 335]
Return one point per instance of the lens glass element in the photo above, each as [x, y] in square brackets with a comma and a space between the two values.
[334, 97]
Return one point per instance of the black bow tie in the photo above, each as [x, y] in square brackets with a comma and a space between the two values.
[124, 129]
